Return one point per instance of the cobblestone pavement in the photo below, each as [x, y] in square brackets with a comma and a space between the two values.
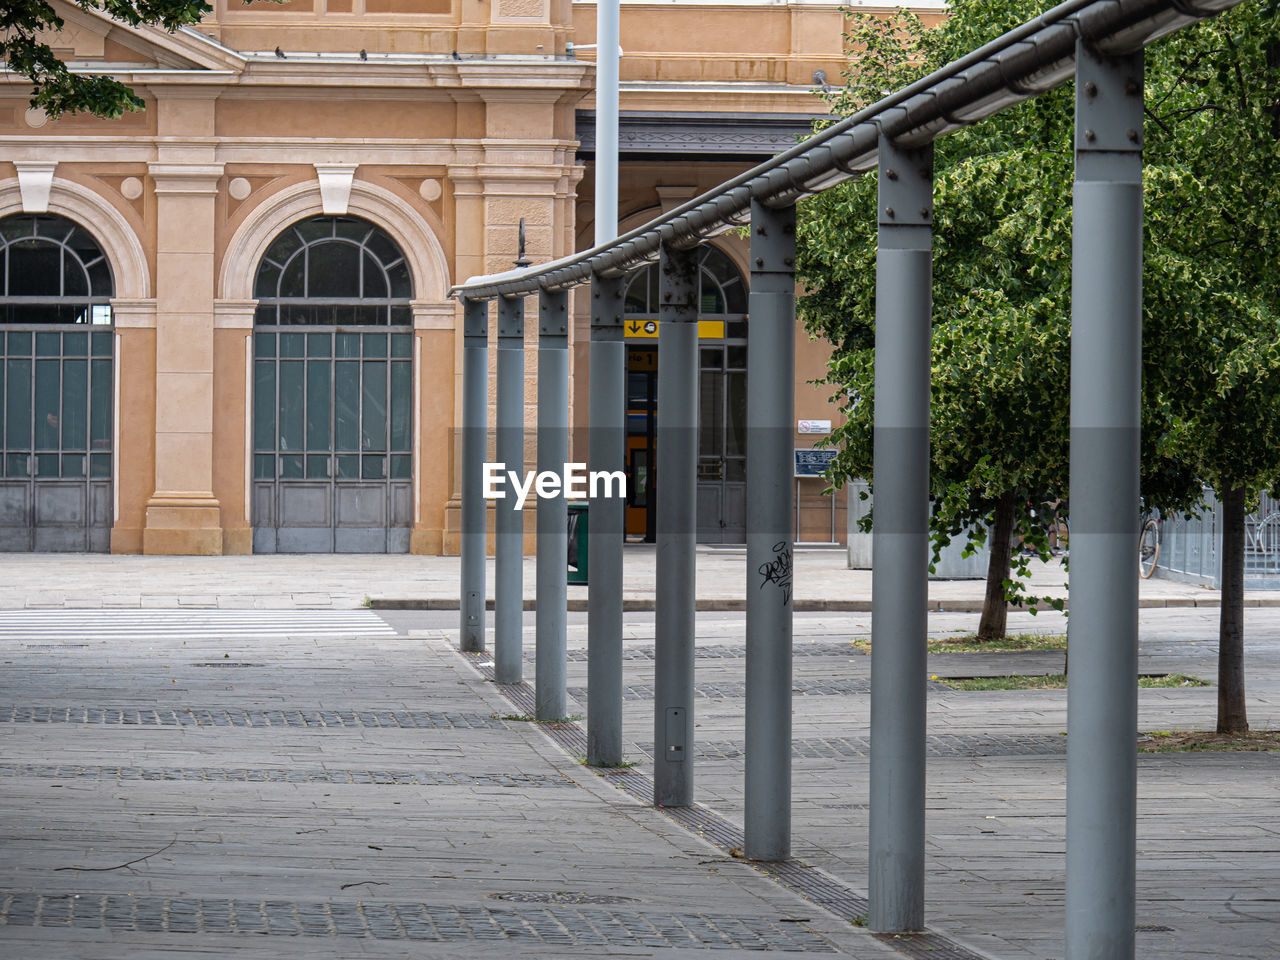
[338, 783]
[331, 794]
[1209, 860]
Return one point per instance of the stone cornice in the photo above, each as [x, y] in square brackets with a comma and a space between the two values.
[183, 178]
[645, 134]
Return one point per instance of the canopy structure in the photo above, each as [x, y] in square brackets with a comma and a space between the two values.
[1100, 43]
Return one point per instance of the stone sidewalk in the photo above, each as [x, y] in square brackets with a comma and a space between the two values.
[254, 786]
[340, 782]
[401, 581]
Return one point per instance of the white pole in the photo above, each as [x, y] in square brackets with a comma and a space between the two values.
[607, 50]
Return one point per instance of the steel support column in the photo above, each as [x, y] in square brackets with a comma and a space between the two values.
[553, 515]
[900, 537]
[771, 382]
[606, 524]
[508, 541]
[475, 377]
[1106, 388]
[677, 493]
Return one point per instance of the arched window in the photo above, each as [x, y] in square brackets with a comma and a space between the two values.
[54, 272]
[333, 271]
[722, 294]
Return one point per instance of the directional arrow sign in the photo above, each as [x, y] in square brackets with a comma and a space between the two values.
[642, 329]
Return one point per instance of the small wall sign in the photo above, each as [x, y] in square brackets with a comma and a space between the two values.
[813, 426]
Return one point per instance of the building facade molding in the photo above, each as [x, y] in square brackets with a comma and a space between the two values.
[414, 234]
[105, 223]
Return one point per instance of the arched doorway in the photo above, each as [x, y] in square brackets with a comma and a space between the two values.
[333, 391]
[56, 387]
[722, 399]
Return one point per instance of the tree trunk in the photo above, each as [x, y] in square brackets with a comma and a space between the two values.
[994, 605]
[1231, 707]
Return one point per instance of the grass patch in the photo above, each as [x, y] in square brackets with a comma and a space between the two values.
[1057, 681]
[1187, 741]
[969, 643]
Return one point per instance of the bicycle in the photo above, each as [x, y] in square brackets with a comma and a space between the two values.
[1148, 545]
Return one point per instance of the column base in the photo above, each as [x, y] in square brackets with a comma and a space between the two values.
[237, 541]
[427, 541]
[183, 526]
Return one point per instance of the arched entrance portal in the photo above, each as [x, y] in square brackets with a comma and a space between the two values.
[722, 399]
[56, 358]
[333, 391]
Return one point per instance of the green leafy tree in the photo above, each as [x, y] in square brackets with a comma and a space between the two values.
[1002, 289]
[25, 26]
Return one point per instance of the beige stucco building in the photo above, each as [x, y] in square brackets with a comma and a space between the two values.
[226, 324]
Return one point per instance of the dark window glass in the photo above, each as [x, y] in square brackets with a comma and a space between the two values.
[49, 257]
[333, 271]
[35, 269]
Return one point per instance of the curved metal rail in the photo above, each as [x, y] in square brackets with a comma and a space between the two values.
[1023, 63]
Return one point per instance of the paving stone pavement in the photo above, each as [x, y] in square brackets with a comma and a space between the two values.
[446, 826]
[1209, 858]
[334, 796]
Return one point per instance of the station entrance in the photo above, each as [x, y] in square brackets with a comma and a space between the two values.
[722, 400]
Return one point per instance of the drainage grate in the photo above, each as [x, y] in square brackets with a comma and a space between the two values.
[227, 663]
[561, 897]
[69, 771]
[810, 882]
[236, 717]
[565, 926]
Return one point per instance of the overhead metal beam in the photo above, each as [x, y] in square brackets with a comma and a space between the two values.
[1026, 61]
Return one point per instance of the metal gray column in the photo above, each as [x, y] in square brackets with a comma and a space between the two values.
[475, 401]
[553, 515]
[1106, 386]
[900, 537]
[508, 541]
[606, 524]
[677, 494]
[771, 384]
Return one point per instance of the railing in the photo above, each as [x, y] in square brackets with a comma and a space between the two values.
[1101, 42]
[1191, 547]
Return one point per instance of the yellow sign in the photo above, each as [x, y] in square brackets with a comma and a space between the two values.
[648, 329]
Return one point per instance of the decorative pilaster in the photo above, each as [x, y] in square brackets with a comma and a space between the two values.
[183, 516]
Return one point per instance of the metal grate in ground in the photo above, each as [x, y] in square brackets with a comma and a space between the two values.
[68, 771]
[237, 717]
[812, 883]
[562, 926]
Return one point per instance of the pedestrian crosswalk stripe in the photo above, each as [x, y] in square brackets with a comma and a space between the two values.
[100, 625]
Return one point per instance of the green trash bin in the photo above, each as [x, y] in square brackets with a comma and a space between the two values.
[577, 542]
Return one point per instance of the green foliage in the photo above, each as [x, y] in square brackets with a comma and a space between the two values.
[1002, 272]
[24, 30]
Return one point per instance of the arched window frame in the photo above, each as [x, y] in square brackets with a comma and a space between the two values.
[730, 289]
[79, 256]
[294, 248]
